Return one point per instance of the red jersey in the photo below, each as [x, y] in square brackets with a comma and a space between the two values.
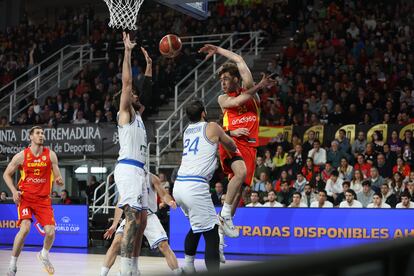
[36, 176]
[245, 116]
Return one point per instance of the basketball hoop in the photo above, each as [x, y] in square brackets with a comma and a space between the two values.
[123, 13]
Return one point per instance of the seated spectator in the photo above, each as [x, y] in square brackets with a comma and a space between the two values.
[384, 167]
[377, 140]
[396, 145]
[334, 155]
[4, 122]
[345, 170]
[260, 186]
[298, 158]
[344, 145]
[359, 145]
[285, 194]
[309, 171]
[408, 156]
[268, 187]
[370, 155]
[388, 196]
[346, 185]
[322, 202]
[365, 197]
[317, 183]
[55, 194]
[79, 118]
[284, 177]
[401, 167]
[268, 160]
[260, 167]
[317, 154]
[271, 197]
[326, 173]
[390, 156]
[350, 201]
[308, 195]
[65, 199]
[377, 202]
[279, 160]
[405, 202]
[410, 190]
[3, 196]
[308, 144]
[363, 166]
[300, 182]
[254, 200]
[397, 184]
[334, 185]
[296, 201]
[217, 193]
[376, 179]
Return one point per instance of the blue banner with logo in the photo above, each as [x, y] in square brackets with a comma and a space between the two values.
[302, 230]
[71, 226]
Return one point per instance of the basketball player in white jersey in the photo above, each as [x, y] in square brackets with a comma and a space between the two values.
[154, 232]
[192, 189]
[130, 174]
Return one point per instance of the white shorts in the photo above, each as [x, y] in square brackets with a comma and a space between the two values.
[195, 200]
[131, 182]
[154, 232]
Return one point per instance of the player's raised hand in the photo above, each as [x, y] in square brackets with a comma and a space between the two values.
[59, 181]
[172, 204]
[146, 55]
[16, 197]
[129, 45]
[267, 81]
[239, 132]
[109, 232]
[208, 49]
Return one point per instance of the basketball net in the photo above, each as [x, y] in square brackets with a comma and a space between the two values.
[123, 13]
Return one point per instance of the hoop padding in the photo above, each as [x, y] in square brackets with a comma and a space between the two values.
[123, 13]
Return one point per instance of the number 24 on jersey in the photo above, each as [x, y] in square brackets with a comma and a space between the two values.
[190, 146]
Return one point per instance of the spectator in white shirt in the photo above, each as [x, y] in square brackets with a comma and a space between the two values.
[296, 203]
[322, 201]
[300, 182]
[318, 154]
[254, 198]
[271, 196]
[308, 196]
[377, 202]
[350, 201]
[334, 185]
[405, 201]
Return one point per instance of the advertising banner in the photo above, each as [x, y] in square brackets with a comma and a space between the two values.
[71, 226]
[282, 231]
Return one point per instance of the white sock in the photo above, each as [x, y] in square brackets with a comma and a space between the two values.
[45, 253]
[189, 259]
[13, 262]
[126, 266]
[177, 271]
[135, 265]
[226, 210]
[104, 271]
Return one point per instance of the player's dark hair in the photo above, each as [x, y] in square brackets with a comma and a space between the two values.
[297, 193]
[231, 68]
[255, 192]
[194, 110]
[378, 194]
[34, 128]
[324, 192]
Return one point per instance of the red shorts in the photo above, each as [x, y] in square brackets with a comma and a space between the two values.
[40, 208]
[247, 154]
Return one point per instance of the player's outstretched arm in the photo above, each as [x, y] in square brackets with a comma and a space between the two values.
[145, 94]
[111, 230]
[244, 70]
[11, 169]
[162, 193]
[125, 102]
[148, 60]
[55, 168]
[216, 134]
[228, 102]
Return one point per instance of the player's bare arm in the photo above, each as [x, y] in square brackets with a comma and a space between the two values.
[147, 83]
[111, 230]
[216, 134]
[244, 70]
[148, 60]
[226, 101]
[8, 174]
[126, 94]
[55, 168]
[162, 193]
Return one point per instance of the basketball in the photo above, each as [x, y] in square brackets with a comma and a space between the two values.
[170, 46]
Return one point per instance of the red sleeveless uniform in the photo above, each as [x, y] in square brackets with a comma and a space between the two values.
[35, 184]
[245, 116]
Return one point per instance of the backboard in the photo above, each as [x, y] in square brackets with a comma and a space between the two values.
[195, 8]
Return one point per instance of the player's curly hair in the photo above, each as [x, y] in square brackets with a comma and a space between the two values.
[229, 67]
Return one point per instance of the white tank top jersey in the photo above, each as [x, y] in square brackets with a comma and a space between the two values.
[133, 140]
[152, 197]
[199, 154]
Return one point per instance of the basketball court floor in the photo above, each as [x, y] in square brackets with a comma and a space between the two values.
[81, 262]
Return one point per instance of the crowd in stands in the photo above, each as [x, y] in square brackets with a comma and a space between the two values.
[90, 96]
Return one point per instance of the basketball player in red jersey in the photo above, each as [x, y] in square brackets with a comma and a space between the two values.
[240, 105]
[38, 167]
